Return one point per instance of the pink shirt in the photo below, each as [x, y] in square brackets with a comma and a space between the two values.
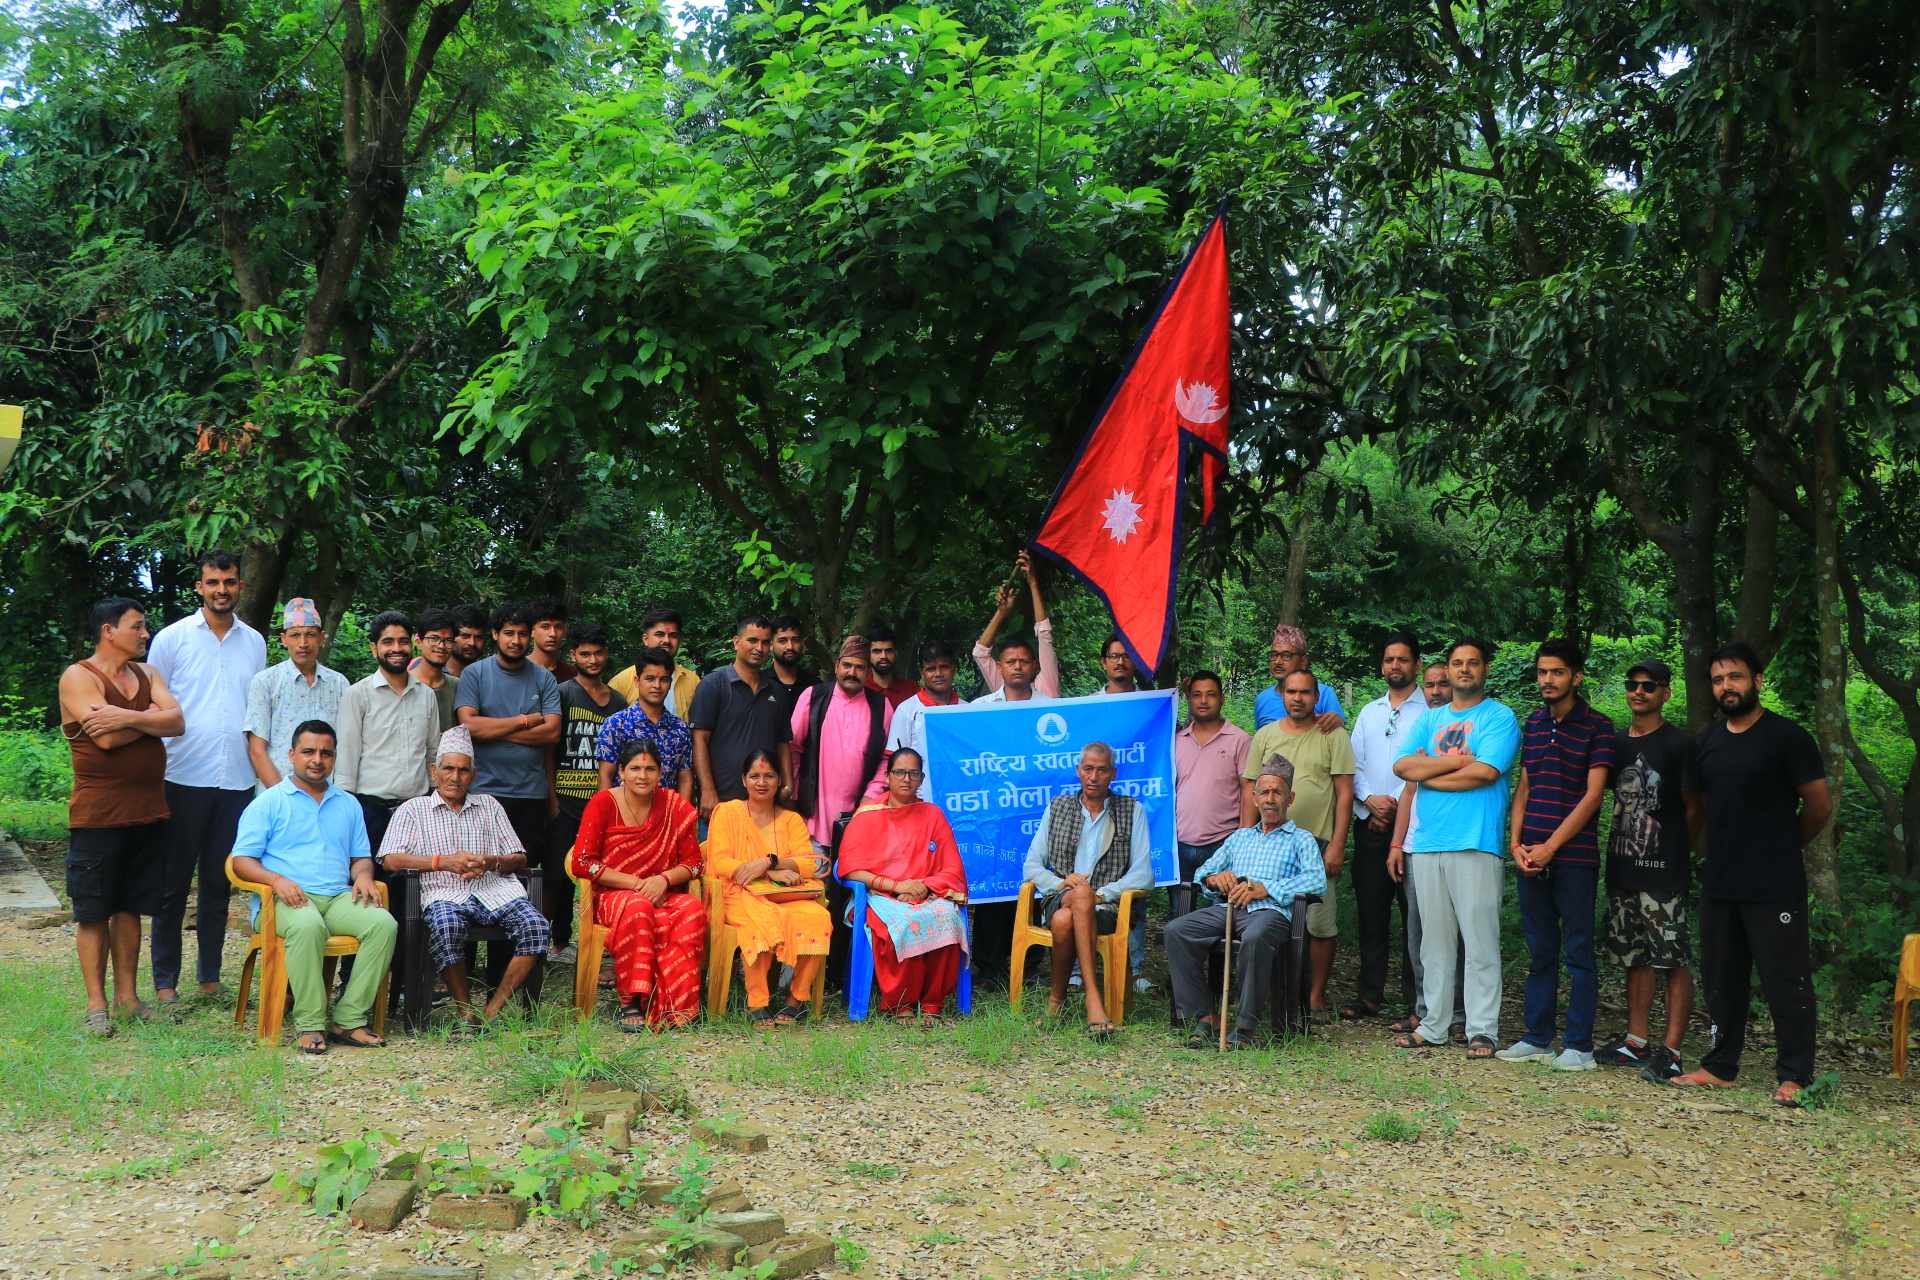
[842, 746]
[1206, 783]
[1047, 680]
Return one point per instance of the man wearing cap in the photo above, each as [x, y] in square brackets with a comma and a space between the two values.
[1655, 802]
[838, 743]
[468, 857]
[290, 693]
[1286, 655]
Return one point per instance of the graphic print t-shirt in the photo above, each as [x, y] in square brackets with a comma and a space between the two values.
[1476, 819]
[1649, 850]
[577, 768]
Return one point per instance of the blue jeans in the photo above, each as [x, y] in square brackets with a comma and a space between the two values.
[1556, 914]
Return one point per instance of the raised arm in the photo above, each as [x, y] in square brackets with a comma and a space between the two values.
[983, 647]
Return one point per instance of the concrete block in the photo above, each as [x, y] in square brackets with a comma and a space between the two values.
[755, 1226]
[734, 1135]
[478, 1213]
[384, 1205]
[793, 1255]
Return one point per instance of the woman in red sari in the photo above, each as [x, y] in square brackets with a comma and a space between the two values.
[903, 851]
[638, 849]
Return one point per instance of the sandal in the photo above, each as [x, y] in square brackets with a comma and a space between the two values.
[1101, 1030]
[98, 1022]
[1703, 1079]
[761, 1017]
[1788, 1094]
[1358, 1011]
[1413, 1040]
[631, 1018]
[793, 1015]
[1400, 1026]
[1205, 1035]
[311, 1042]
[1480, 1047]
[350, 1040]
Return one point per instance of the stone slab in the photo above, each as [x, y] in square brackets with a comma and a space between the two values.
[478, 1213]
[384, 1205]
[793, 1256]
[734, 1135]
[22, 891]
[755, 1226]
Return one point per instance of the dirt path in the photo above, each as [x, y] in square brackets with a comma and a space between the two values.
[993, 1149]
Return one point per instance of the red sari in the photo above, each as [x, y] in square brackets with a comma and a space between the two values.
[656, 949]
[908, 842]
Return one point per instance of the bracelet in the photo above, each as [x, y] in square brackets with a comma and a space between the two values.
[436, 862]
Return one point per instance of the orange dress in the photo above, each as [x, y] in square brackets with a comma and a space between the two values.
[788, 929]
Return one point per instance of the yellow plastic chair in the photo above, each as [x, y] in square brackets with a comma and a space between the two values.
[1110, 949]
[723, 945]
[1906, 989]
[267, 946]
[590, 941]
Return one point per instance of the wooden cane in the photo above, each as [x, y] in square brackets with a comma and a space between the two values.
[1226, 974]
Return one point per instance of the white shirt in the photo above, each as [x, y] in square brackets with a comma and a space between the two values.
[1378, 733]
[1096, 832]
[1000, 695]
[209, 678]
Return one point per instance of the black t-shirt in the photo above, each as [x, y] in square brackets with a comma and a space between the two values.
[1751, 782]
[576, 768]
[742, 720]
[1649, 849]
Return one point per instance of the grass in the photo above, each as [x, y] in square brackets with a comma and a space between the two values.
[868, 1171]
[846, 1062]
[145, 1168]
[34, 819]
[530, 1059]
[1600, 1115]
[1390, 1126]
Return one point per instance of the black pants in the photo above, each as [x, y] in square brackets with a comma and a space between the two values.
[528, 817]
[1736, 938]
[1258, 936]
[199, 838]
[1375, 893]
[555, 884]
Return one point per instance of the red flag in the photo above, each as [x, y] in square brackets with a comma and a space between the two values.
[1115, 519]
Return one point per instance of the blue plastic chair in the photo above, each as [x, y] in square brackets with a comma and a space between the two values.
[860, 960]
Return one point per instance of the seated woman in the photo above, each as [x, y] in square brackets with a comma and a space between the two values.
[903, 851]
[762, 857]
[637, 847]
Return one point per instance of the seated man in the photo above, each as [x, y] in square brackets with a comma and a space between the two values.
[1086, 852]
[1260, 870]
[306, 839]
[465, 848]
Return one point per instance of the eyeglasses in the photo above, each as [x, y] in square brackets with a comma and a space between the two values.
[435, 642]
[1641, 686]
[914, 774]
[1285, 655]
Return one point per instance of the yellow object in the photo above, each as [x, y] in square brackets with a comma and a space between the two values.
[788, 929]
[590, 941]
[723, 944]
[1110, 948]
[270, 949]
[1906, 989]
[11, 416]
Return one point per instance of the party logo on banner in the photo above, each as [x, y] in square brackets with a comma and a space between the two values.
[994, 767]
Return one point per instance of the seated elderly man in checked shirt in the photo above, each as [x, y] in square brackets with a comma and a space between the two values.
[468, 856]
[1260, 870]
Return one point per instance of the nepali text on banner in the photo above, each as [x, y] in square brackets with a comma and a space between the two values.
[994, 766]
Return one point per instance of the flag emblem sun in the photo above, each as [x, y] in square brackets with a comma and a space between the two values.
[1122, 515]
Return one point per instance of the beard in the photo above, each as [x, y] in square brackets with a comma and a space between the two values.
[1399, 681]
[397, 663]
[1739, 704]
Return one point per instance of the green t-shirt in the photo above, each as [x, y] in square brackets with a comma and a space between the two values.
[1317, 757]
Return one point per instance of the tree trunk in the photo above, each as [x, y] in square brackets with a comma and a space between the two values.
[1758, 574]
[263, 567]
[1294, 589]
[1830, 683]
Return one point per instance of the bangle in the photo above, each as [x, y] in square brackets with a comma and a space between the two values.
[436, 862]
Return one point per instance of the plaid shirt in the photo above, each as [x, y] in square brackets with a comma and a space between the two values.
[1286, 860]
[428, 825]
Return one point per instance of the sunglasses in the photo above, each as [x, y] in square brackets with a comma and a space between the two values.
[1641, 686]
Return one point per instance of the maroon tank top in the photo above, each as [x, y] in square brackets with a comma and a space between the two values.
[124, 787]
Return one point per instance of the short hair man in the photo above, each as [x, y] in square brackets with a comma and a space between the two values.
[1285, 655]
[1088, 850]
[468, 857]
[1322, 803]
[1649, 856]
[469, 638]
[938, 665]
[837, 742]
[511, 707]
[1260, 870]
[292, 692]
[1766, 795]
[305, 838]
[648, 720]
[388, 725]
[207, 659]
[1378, 730]
[435, 637]
[1117, 665]
[883, 654]
[1435, 687]
[114, 711]
[1017, 669]
[1459, 755]
[1042, 665]
[1210, 788]
[1566, 756]
[549, 615]
[736, 712]
[660, 629]
[791, 676]
[586, 703]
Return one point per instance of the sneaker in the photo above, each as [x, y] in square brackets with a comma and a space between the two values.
[1073, 980]
[1574, 1060]
[1522, 1051]
[1142, 985]
[1623, 1053]
[565, 955]
[1662, 1065]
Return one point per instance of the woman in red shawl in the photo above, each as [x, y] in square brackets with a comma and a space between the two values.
[903, 851]
[637, 847]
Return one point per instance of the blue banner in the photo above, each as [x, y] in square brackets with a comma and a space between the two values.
[994, 766]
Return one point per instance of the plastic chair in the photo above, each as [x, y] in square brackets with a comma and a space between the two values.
[417, 973]
[267, 946]
[723, 946]
[590, 941]
[1290, 1009]
[1906, 989]
[1110, 948]
[860, 976]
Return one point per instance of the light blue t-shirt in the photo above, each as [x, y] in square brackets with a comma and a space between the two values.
[508, 770]
[312, 844]
[1268, 706]
[1477, 819]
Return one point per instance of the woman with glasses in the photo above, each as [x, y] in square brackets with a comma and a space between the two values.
[903, 851]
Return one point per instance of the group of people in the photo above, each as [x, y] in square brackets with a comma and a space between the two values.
[482, 749]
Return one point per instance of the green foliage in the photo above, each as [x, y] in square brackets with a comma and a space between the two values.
[339, 1173]
[1823, 1093]
[563, 1177]
[1390, 1126]
[34, 765]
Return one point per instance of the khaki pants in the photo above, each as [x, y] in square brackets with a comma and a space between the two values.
[306, 930]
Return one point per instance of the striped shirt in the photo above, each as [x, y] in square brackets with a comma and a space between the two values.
[427, 826]
[1557, 755]
[1286, 860]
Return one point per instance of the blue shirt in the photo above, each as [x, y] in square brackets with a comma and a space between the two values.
[502, 768]
[311, 843]
[1286, 860]
[1269, 707]
[1476, 819]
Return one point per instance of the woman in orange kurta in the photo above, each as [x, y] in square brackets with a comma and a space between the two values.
[637, 847]
[755, 848]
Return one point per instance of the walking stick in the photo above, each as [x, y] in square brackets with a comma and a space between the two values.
[1226, 974]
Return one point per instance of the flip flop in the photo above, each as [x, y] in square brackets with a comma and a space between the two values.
[1102, 1030]
[1414, 1040]
[1401, 1026]
[99, 1022]
[793, 1015]
[345, 1039]
[140, 1012]
[300, 1043]
[1788, 1094]
[1356, 1011]
[1701, 1080]
[1481, 1048]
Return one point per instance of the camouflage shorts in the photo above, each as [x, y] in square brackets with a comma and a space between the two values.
[1648, 930]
